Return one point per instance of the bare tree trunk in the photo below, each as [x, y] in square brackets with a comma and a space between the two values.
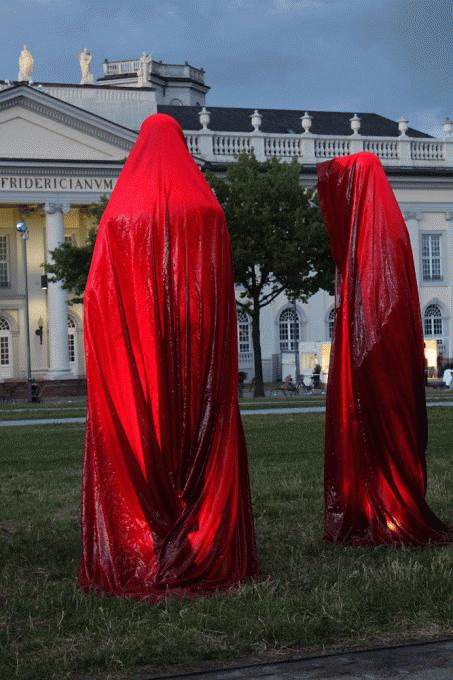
[256, 339]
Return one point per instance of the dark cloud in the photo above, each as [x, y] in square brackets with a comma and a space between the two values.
[389, 56]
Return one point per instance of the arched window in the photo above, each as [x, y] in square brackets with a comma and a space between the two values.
[243, 332]
[289, 324]
[432, 320]
[175, 102]
[71, 340]
[331, 321]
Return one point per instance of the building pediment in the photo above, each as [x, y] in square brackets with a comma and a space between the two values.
[36, 125]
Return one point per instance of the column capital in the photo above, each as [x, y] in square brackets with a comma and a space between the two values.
[416, 215]
[52, 207]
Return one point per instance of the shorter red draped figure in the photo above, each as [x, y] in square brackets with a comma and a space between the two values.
[376, 423]
[166, 502]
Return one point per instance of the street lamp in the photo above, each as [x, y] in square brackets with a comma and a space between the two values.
[296, 343]
[22, 228]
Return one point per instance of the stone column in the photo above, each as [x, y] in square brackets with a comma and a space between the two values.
[413, 219]
[57, 306]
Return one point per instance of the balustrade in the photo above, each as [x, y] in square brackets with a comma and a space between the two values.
[385, 149]
[288, 146]
[310, 149]
[331, 147]
[225, 144]
[192, 143]
[427, 150]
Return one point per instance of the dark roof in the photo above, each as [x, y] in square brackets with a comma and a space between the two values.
[286, 121]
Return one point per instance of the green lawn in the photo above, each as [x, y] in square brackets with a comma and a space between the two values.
[76, 407]
[316, 596]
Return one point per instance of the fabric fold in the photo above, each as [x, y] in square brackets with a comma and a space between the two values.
[376, 422]
[166, 503]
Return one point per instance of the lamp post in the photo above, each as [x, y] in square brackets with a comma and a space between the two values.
[21, 227]
[296, 343]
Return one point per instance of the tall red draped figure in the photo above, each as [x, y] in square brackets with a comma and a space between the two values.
[376, 424]
[166, 502]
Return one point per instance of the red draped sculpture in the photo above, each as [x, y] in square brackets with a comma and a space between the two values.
[166, 502]
[376, 424]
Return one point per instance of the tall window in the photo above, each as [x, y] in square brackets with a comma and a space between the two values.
[4, 262]
[71, 340]
[331, 321]
[432, 320]
[4, 342]
[243, 332]
[289, 326]
[431, 257]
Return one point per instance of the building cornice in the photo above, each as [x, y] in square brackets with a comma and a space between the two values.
[69, 115]
[94, 169]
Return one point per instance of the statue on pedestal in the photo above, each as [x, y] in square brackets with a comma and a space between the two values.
[144, 70]
[25, 64]
[85, 58]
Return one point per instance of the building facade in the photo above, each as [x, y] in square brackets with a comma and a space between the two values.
[62, 146]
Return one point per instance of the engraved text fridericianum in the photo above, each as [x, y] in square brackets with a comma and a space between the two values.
[37, 183]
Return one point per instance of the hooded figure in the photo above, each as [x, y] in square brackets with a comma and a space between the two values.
[166, 499]
[376, 424]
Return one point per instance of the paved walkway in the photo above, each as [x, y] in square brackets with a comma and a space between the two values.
[244, 412]
[430, 661]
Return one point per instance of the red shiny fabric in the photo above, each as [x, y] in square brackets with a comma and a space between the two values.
[166, 502]
[376, 424]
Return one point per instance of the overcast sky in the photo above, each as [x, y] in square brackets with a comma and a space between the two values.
[392, 57]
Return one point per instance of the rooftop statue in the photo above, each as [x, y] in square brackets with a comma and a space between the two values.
[144, 69]
[25, 64]
[85, 58]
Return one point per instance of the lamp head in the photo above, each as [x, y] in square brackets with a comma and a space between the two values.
[21, 227]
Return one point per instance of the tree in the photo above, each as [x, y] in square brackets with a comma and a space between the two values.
[71, 263]
[278, 238]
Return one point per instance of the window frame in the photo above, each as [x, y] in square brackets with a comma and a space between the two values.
[6, 261]
[432, 318]
[291, 343]
[429, 279]
[241, 323]
[331, 323]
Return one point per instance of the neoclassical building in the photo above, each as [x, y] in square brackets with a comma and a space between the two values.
[62, 146]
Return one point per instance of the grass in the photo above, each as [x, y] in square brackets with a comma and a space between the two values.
[33, 414]
[317, 596]
[76, 407]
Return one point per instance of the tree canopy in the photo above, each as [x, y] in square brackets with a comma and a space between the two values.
[71, 262]
[278, 238]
